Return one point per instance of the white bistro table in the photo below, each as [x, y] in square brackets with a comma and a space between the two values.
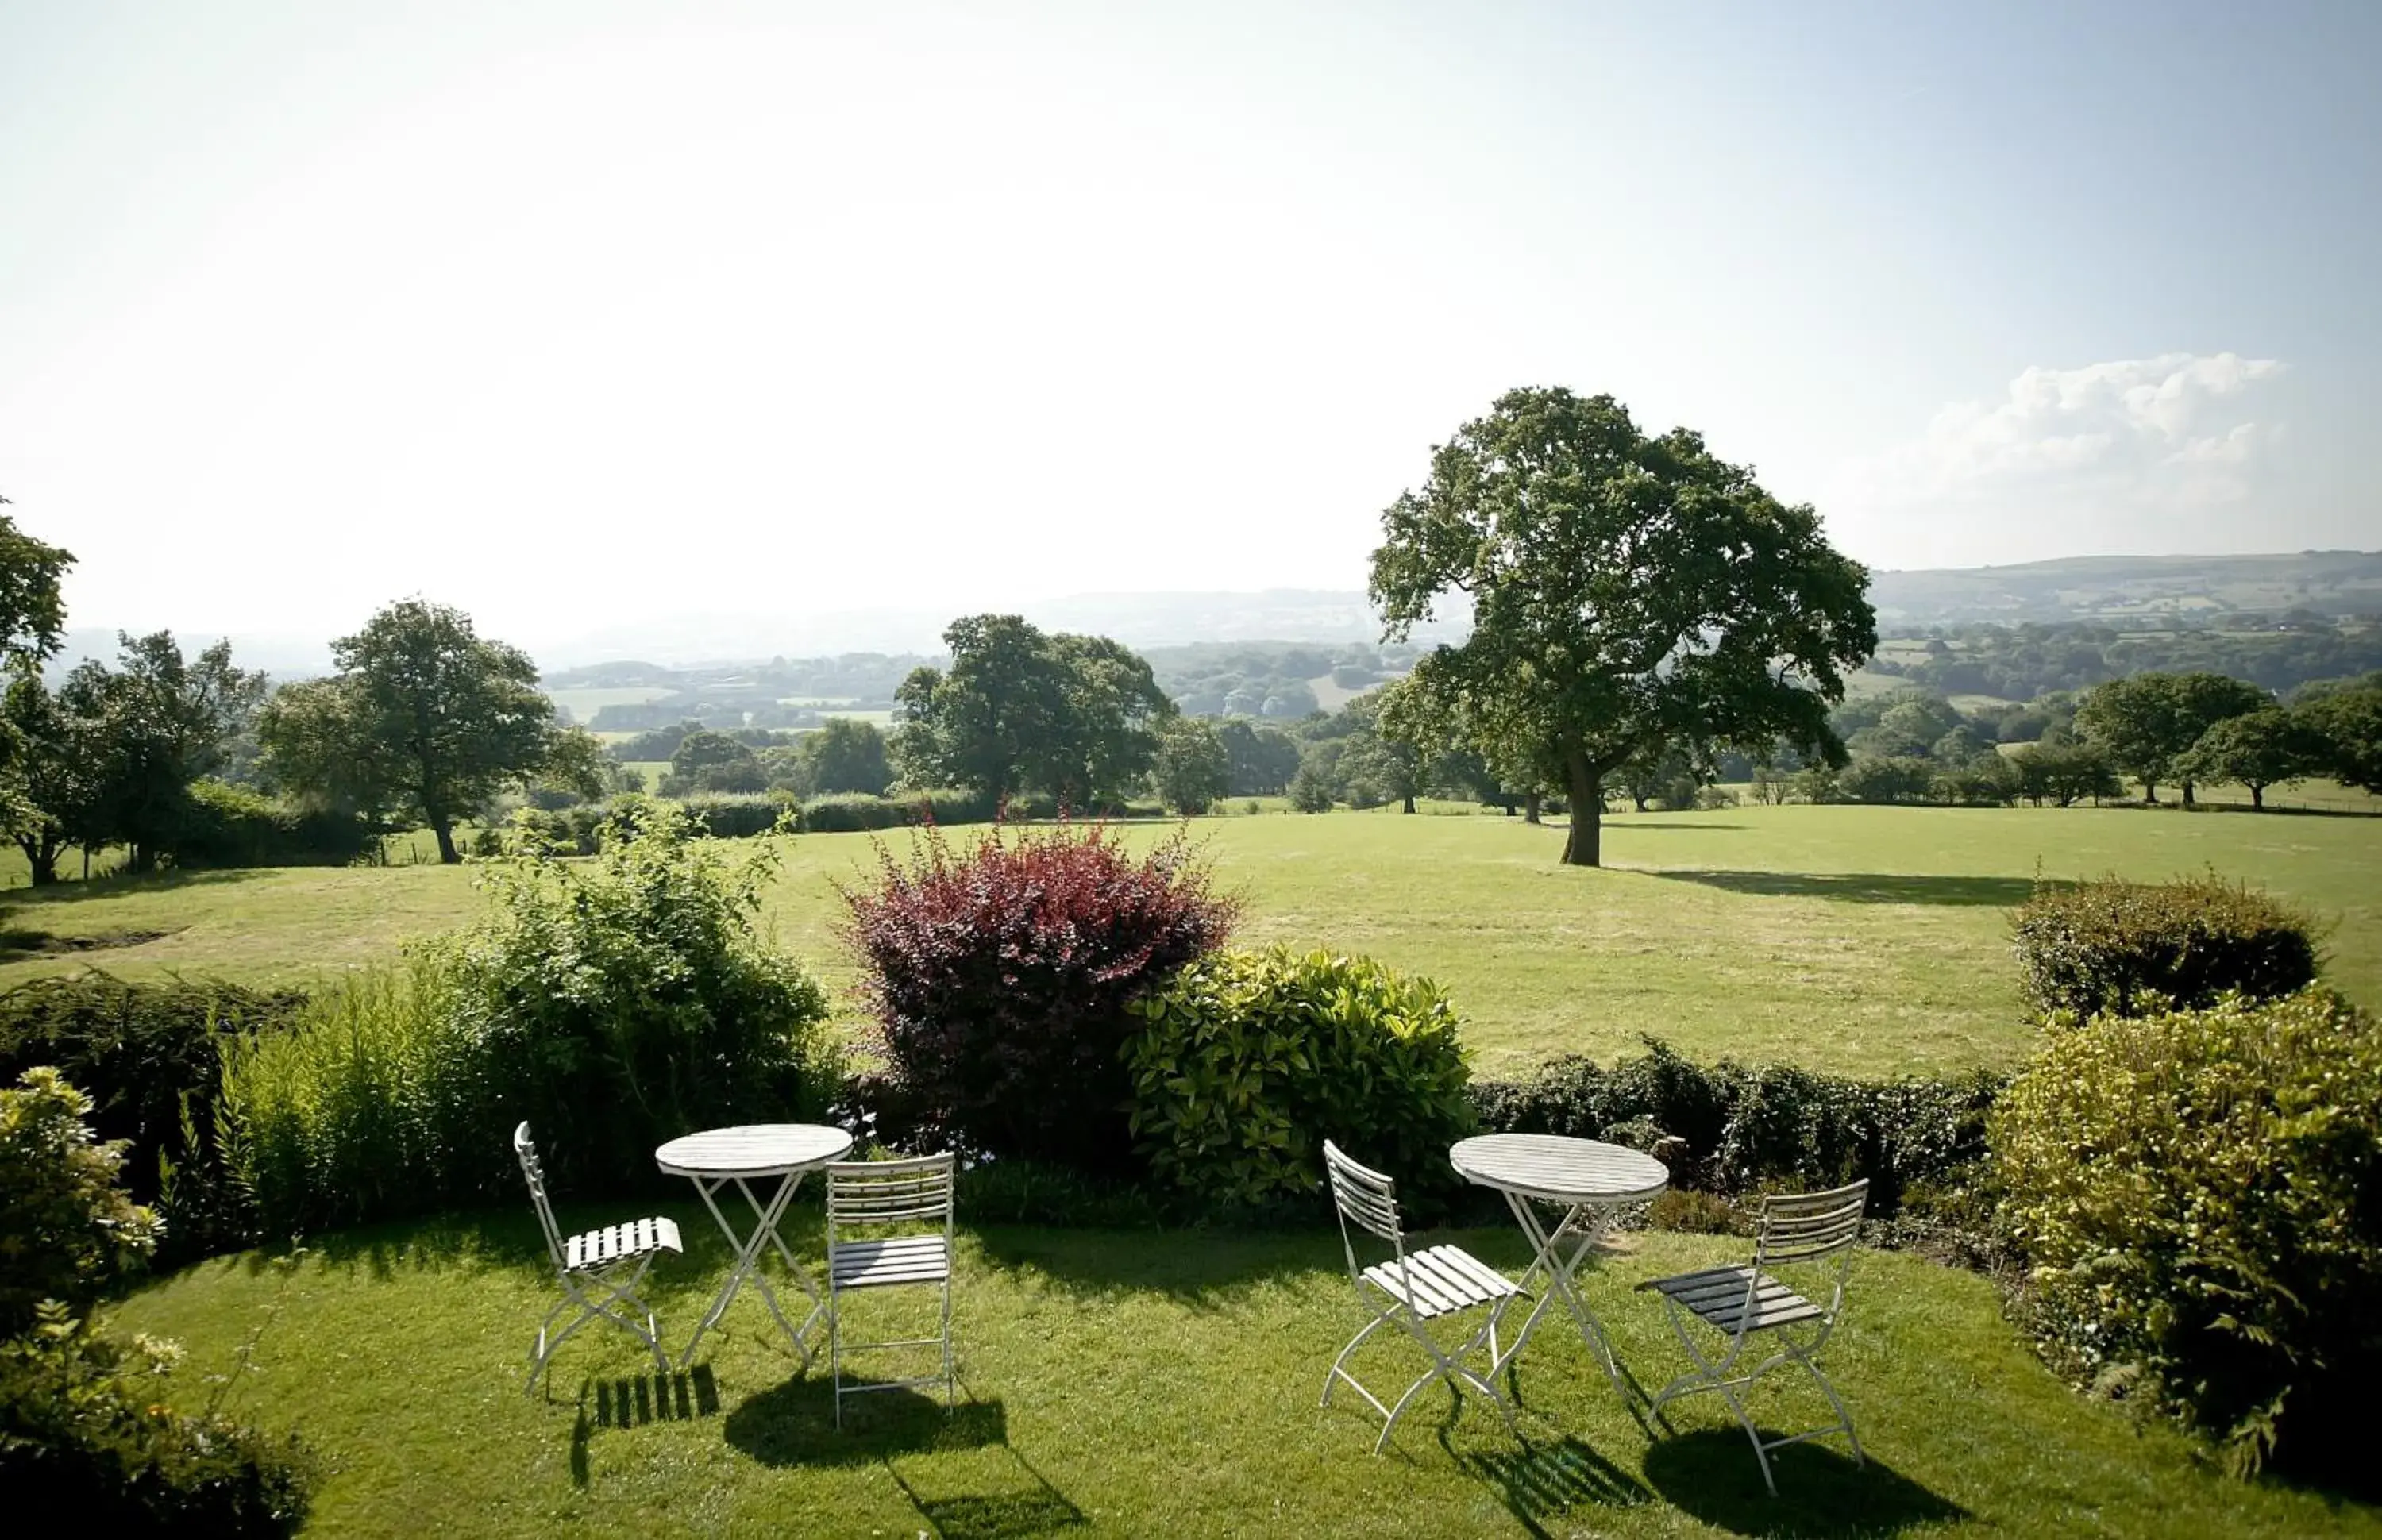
[1590, 1183]
[757, 1152]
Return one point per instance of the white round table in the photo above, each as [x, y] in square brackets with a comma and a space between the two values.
[1591, 1183]
[756, 1152]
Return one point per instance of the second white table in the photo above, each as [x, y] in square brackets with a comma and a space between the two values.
[1591, 1183]
[756, 1152]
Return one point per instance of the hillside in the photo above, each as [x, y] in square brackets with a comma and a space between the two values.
[2331, 584]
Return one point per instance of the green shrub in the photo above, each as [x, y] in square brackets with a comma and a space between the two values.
[2200, 1195]
[67, 1230]
[2136, 947]
[615, 1004]
[1748, 1128]
[84, 1438]
[722, 815]
[857, 813]
[374, 1102]
[619, 1003]
[233, 825]
[1248, 1061]
[146, 1054]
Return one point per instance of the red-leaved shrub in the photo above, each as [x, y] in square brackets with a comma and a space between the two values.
[1001, 976]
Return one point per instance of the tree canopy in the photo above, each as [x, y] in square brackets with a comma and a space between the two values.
[2146, 724]
[33, 613]
[423, 713]
[847, 755]
[1627, 592]
[1022, 709]
[2258, 749]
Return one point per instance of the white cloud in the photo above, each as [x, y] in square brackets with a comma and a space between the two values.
[2110, 456]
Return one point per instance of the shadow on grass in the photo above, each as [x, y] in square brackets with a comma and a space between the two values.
[793, 1424]
[1711, 1474]
[1203, 1268]
[1543, 1481]
[147, 882]
[634, 1401]
[1642, 821]
[1863, 887]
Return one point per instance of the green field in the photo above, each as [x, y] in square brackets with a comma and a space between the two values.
[1856, 938]
[584, 702]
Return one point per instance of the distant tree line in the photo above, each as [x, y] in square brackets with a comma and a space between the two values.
[2020, 663]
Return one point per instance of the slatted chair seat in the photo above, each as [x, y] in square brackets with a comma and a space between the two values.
[1814, 1229]
[1440, 1282]
[1409, 1289]
[599, 1269]
[1719, 1295]
[906, 1259]
[599, 1248]
[901, 1195]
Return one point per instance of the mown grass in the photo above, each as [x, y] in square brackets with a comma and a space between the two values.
[1870, 940]
[1143, 1384]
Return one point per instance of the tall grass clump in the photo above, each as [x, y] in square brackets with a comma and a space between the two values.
[373, 1101]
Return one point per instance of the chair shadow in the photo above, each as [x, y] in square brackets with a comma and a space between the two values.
[632, 1401]
[1863, 887]
[793, 1424]
[1711, 1474]
[1543, 1480]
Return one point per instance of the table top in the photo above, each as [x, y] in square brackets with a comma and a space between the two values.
[1558, 1168]
[753, 1150]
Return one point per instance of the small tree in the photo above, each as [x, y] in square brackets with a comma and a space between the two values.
[423, 713]
[2268, 746]
[846, 755]
[2348, 724]
[1193, 768]
[2145, 723]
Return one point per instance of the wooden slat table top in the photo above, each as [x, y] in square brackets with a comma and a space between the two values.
[752, 1150]
[1558, 1168]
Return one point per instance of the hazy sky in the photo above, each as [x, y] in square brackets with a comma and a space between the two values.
[560, 312]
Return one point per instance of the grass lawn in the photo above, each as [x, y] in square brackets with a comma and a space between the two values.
[1143, 1384]
[1854, 938]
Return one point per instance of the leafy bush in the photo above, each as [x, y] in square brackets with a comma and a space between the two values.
[1248, 1061]
[1000, 978]
[1747, 1128]
[856, 813]
[67, 1230]
[1886, 778]
[232, 826]
[147, 1056]
[2134, 947]
[82, 1434]
[615, 1004]
[2200, 1194]
[723, 816]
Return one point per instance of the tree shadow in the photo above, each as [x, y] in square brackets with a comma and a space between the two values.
[69, 892]
[1649, 820]
[1863, 887]
[1711, 1474]
[1543, 1481]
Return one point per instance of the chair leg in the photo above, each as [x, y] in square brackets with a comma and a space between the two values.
[950, 1374]
[1844, 1417]
[835, 1346]
[1338, 1372]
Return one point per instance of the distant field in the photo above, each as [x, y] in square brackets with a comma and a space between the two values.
[1868, 940]
[586, 702]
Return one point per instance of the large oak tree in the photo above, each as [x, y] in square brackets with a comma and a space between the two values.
[1629, 594]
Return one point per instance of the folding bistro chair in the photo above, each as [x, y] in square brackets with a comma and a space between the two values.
[600, 1270]
[1410, 1290]
[869, 1195]
[1816, 1229]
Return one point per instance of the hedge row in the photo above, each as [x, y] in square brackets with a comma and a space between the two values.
[725, 815]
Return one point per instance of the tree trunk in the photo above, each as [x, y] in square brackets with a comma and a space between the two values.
[2150, 792]
[42, 859]
[2187, 793]
[1530, 809]
[443, 827]
[1586, 845]
[1409, 806]
[2257, 797]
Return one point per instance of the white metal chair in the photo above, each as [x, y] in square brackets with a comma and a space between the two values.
[599, 1269]
[1815, 1228]
[1410, 1288]
[871, 1195]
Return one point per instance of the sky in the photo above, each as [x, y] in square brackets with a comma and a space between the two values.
[570, 313]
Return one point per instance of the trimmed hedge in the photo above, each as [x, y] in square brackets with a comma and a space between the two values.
[233, 826]
[2200, 1194]
[2134, 947]
[147, 1054]
[1248, 1060]
[1744, 1127]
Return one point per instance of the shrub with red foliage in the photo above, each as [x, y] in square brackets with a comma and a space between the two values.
[1000, 977]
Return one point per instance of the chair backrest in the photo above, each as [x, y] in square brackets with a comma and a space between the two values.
[533, 1172]
[912, 1192]
[1808, 1227]
[1363, 1195]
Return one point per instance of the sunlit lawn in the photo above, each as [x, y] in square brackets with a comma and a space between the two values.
[1866, 939]
[1143, 1384]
